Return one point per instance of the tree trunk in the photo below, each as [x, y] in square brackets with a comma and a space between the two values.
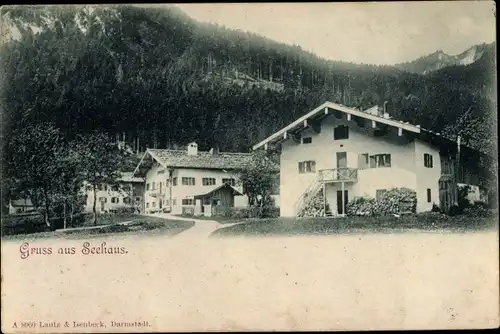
[65, 222]
[93, 207]
[47, 207]
[71, 213]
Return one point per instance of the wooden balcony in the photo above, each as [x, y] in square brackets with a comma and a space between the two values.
[338, 175]
[157, 193]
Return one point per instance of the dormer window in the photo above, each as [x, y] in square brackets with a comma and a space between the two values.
[341, 132]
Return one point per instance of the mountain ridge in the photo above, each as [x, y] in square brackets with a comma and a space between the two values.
[439, 59]
[163, 79]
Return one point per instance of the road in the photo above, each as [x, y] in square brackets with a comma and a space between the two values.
[194, 283]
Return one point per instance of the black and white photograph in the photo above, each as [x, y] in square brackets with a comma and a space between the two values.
[249, 167]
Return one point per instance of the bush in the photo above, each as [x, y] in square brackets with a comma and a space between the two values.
[478, 209]
[125, 211]
[454, 210]
[361, 206]
[394, 201]
[435, 208]
[254, 211]
[463, 198]
[315, 207]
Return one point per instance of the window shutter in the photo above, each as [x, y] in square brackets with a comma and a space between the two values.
[373, 162]
[363, 160]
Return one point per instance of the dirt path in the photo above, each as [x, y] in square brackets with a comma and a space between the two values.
[202, 228]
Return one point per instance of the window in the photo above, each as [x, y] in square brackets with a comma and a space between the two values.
[103, 199]
[188, 181]
[137, 199]
[115, 200]
[307, 140]
[187, 201]
[307, 167]
[153, 185]
[161, 185]
[126, 200]
[208, 181]
[380, 193]
[380, 160]
[174, 181]
[231, 181]
[341, 132]
[147, 187]
[115, 188]
[153, 204]
[364, 161]
[429, 198]
[147, 205]
[428, 160]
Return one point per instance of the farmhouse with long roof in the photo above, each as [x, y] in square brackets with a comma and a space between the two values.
[191, 181]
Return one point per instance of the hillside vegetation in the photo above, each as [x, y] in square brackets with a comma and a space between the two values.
[161, 79]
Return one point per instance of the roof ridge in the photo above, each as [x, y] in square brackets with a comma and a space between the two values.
[208, 152]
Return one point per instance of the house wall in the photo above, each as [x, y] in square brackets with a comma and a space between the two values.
[427, 178]
[20, 209]
[132, 190]
[323, 150]
[180, 191]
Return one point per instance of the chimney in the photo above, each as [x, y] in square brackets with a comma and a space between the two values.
[215, 150]
[192, 149]
[385, 107]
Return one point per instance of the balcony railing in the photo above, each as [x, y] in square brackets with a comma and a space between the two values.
[338, 175]
[157, 192]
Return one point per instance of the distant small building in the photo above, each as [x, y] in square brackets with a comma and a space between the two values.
[21, 206]
[127, 194]
[191, 181]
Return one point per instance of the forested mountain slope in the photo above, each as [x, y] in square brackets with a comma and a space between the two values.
[164, 79]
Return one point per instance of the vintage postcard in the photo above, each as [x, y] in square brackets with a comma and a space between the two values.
[249, 167]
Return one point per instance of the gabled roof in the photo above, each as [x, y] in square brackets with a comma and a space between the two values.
[327, 108]
[202, 160]
[215, 188]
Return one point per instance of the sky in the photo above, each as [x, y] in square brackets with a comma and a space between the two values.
[374, 33]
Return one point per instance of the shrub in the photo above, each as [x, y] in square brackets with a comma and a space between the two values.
[254, 211]
[435, 208]
[394, 201]
[125, 211]
[463, 197]
[478, 209]
[315, 207]
[269, 211]
[454, 210]
[361, 206]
